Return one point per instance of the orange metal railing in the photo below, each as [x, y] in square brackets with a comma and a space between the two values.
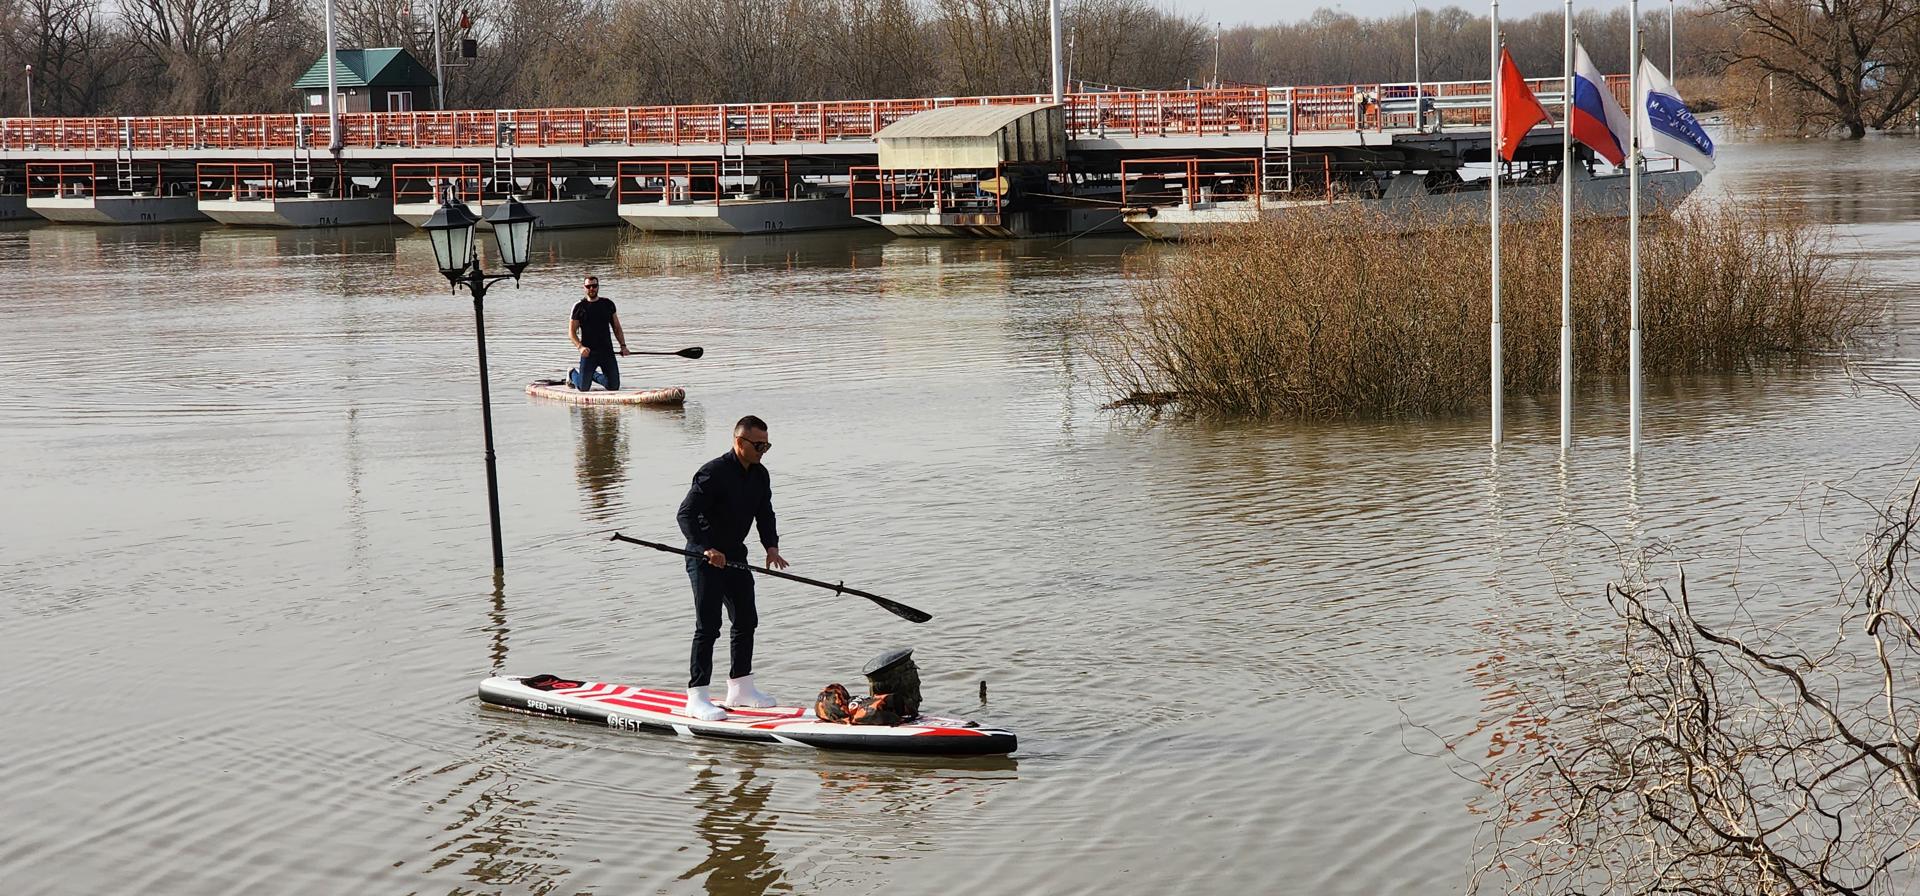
[1151, 113]
[235, 180]
[416, 182]
[672, 181]
[873, 191]
[63, 180]
[1163, 182]
[668, 182]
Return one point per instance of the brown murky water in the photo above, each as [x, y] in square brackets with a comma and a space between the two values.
[244, 545]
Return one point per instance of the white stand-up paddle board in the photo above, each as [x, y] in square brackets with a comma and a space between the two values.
[627, 708]
[560, 391]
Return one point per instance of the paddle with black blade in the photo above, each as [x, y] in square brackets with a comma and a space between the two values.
[895, 607]
[693, 352]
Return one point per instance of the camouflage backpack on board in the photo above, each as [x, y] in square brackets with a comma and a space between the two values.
[894, 682]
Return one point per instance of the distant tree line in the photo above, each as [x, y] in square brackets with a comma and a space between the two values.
[1338, 48]
[125, 57]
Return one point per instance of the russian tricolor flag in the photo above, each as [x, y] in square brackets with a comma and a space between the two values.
[1598, 121]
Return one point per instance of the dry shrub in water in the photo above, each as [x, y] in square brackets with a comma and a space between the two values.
[1341, 313]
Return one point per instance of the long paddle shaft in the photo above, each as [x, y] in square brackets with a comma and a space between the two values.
[693, 352]
[895, 607]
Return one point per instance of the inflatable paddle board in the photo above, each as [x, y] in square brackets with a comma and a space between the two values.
[627, 708]
[560, 391]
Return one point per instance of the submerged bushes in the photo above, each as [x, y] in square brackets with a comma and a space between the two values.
[1342, 314]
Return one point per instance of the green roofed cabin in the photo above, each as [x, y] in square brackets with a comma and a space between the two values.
[387, 79]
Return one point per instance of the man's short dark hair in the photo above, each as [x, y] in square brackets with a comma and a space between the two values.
[749, 423]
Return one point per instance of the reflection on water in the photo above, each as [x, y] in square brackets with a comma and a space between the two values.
[601, 461]
[497, 624]
[492, 839]
[734, 823]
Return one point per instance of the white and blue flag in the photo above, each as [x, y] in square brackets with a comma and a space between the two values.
[1667, 125]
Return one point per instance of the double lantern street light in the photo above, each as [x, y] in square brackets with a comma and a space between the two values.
[450, 230]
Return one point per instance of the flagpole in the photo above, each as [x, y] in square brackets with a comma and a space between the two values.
[1634, 162]
[1566, 239]
[1493, 158]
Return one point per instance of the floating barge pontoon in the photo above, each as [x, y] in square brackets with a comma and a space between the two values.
[77, 193]
[252, 194]
[733, 195]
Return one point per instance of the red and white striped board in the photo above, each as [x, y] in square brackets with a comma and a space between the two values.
[628, 708]
[641, 395]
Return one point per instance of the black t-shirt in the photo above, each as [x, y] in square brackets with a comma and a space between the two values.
[596, 323]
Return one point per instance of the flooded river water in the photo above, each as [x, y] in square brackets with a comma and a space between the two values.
[243, 537]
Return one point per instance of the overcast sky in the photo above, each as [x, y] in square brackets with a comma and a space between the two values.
[1262, 12]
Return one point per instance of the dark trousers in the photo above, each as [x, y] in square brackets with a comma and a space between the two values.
[713, 589]
[606, 362]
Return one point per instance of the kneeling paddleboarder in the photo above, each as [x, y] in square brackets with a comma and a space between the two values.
[593, 328]
[730, 493]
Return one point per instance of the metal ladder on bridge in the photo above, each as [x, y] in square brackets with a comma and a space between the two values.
[123, 159]
[1276, 170]
[1276, 162]
[303, 170]
[503, 144]
[733, 164]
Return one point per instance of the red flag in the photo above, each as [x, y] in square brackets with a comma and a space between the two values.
[1520, 110]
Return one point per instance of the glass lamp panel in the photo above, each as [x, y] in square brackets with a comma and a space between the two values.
[516, 242]
[512, 232]
[450, 231]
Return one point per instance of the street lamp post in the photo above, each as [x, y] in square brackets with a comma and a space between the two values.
[29, 90]
[450, 230]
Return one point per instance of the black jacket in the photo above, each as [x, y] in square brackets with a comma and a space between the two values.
[724, 501]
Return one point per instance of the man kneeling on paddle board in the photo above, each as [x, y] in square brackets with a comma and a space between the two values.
[594, 325]
[730, 493]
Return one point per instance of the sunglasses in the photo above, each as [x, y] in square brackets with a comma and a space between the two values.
[757, 446]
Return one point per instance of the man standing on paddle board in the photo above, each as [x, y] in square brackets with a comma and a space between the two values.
[730, 493]
[593, 318]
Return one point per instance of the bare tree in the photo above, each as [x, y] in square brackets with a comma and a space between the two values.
[70, 44]
[880, 49]
[220, 55]
[1716, 755]
[1858, 60]
[995, 46]
[1136, 43]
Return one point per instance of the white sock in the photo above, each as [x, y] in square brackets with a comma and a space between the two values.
[702, 708]
[742, 693]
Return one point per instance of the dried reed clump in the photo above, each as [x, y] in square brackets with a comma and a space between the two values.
[1343, 313]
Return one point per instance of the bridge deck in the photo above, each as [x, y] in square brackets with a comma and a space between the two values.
[1227, 118]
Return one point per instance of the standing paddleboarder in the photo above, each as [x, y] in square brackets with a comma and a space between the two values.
[593, 328]
[730, 493]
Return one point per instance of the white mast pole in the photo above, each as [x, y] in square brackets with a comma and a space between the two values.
[439, 65]
[1059, 62]
[1419, 89]
[1216, 55]
[333, 90]
[1493, 157]
[1634, 162]
[1566, 239]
